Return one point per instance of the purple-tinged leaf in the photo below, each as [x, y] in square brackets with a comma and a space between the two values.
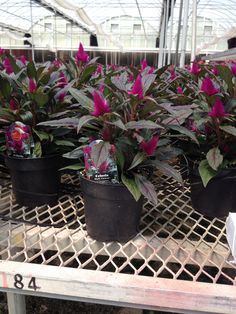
[214, 158]
[143, 124]
[146, 188]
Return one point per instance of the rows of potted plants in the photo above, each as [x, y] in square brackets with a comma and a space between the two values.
[120, 124]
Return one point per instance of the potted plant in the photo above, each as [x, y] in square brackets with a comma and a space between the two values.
[130, 124]
[212, 161]
[30, 94]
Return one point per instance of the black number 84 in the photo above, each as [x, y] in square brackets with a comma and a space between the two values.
[18, 282]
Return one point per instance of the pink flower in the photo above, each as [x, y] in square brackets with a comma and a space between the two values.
[13, 105]
[7, 65]
[99, 69]
[215, 71]
[63, 80]
[150, 146]
[61, 96]
[137, 88]
[179, 90]
[218, 110]
[172, 73]
[101, 88]
[130, 78]
[143, 65]
[101, 106]
[195, 69]
[1, 51]
[81, 55]
[233, 69]
[56, 63]
[23, 59]
[208, 87]
[151, 70]
[32, 86]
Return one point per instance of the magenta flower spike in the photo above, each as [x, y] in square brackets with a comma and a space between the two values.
[218, 110]
[101, 106]
[150, 146]
[1, 51]
[137, 88]
[13, 105]
[61, 96]
[195, 69]
[63, 80]
[81, 55]
[215, 71]
[208, 87]
[233, 69]
[143, 65]
[179, 90]
[32, 86]
[7, 65]
[23, 59]
[130, 78]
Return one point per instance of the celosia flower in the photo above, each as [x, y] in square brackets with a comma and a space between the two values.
[130, 78]
[62, 81]
[233, 69]
[99, 69]
[13, 105]
[81, 55]
[137, 88]
[32, 86]
[61, 96]
[172, 73]
[1, 51]
[7, 65]
[101, 106]
[143, 65]
[56, 63]
[195, 69]
[150, 146]
[215, 71]
[208, 87]
[23, 59]
[179, 90]
[151, 70]
[218, 110]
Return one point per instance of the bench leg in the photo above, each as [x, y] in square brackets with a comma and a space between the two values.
[16, 303]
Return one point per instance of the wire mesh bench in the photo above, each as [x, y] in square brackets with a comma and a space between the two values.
[180, 260]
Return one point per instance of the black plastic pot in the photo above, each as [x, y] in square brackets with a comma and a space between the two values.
[111, 212]
[35, 181]
[218, 198]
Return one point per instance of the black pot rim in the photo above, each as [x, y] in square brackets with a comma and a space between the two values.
[32, 158]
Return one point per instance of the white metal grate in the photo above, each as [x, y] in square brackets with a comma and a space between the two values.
[174, 242]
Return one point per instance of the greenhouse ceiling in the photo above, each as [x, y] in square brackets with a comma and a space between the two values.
[91, 15]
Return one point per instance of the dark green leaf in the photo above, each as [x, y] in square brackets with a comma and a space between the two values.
[74, 154]
[73, 167]
[37, 149]
[44, 78]
[82, 99]
[143, 124]
[41, 135]
[184, 131]
[119, 124]
[206, 172]
[147, 81]
[229, 129]
[214, 158]
[168, 170]
[131, 186]
[64, 143]
[120, 159]
[87, 73]
[100, 153]
[226, 74]
[31, 70]
[66, 122]
[138, 159]
[16, 68]
[146, 188]
[27, 117]
[84, 120]
[40, 98]
[5, 88]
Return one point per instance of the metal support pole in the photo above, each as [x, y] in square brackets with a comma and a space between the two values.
[194, 30]
[185, 32]
[166, 28]
[32, 31]
[171, 31]
[55, 34]
[178, 33]
[162, 39]
[16, 303]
